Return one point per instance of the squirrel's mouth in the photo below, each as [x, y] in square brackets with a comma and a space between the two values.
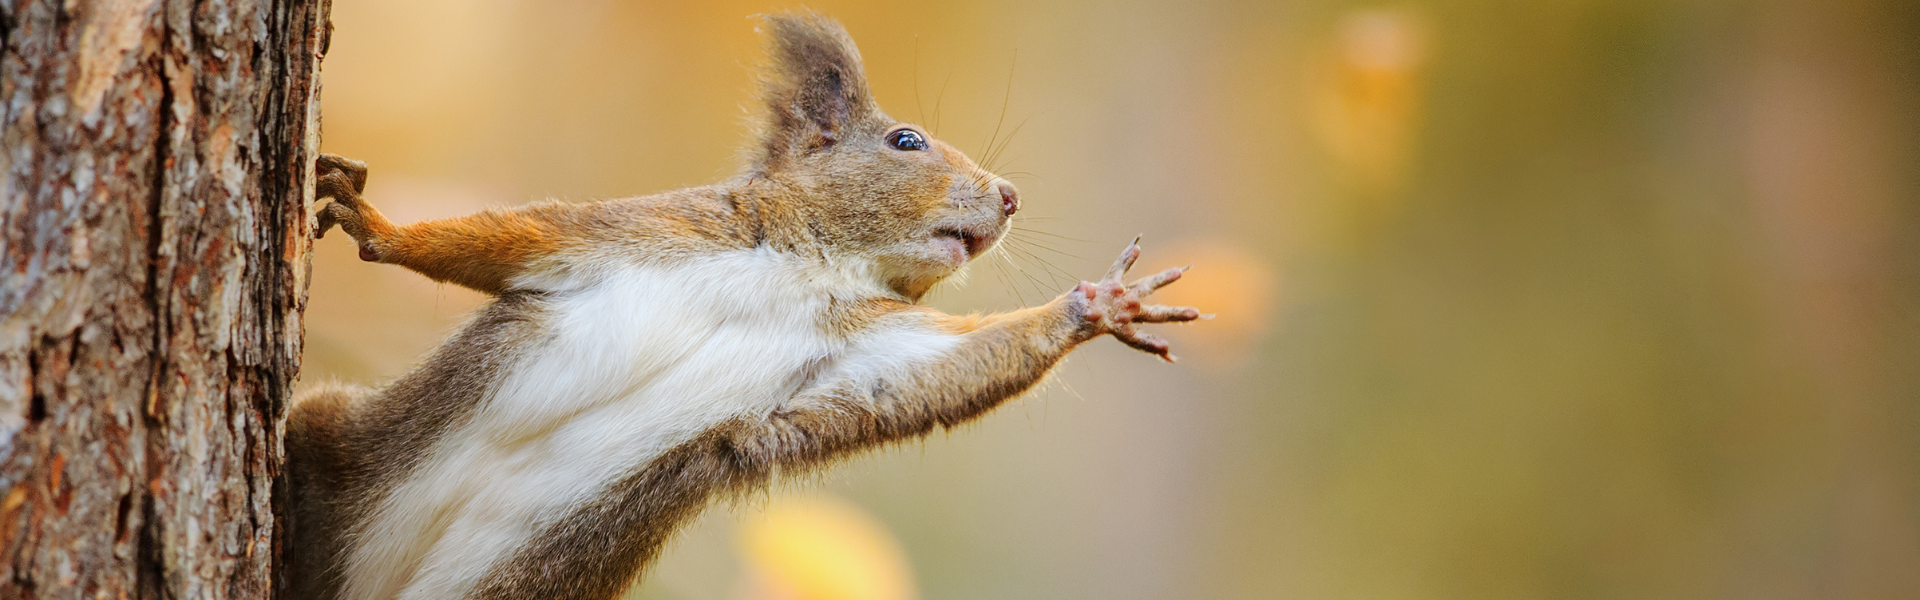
[972, 242]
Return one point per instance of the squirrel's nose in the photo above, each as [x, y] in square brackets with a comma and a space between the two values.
[1009, 196]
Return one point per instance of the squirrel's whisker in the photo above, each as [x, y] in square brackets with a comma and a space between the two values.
[1005, 98]
[1037, 245]
[935, 128]
[1052, 271]
[993, 154]
[1056, 235]
[919, 109]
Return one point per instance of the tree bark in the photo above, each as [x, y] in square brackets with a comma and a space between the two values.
[154, 230]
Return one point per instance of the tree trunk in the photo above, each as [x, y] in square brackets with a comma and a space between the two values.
[154, 231]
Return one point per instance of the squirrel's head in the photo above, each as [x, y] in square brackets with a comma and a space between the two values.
[868, 186]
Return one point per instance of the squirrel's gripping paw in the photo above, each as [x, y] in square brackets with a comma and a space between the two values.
[341, 180]
[1113, 307]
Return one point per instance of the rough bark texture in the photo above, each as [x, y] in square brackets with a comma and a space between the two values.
[157, 157]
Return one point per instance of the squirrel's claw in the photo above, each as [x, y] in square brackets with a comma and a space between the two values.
[1144, 342]
[340, 180]
[1161, 313]
[1125, 262]
[332, 214]
[1112, 307]
[1146, 286]
[354, 172]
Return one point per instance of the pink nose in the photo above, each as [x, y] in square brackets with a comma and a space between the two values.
[1009, 197]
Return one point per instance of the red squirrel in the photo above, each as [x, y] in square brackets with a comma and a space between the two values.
[644, 357]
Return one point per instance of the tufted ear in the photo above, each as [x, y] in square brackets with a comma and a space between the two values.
[814, 88]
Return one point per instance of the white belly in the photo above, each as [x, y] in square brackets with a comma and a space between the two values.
[640, 361]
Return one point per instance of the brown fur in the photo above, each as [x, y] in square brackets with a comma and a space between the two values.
[596, 551]
[347, 446]
[822, 184]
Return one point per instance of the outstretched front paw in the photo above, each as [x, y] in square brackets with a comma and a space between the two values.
[1113, 307]
[341, 180]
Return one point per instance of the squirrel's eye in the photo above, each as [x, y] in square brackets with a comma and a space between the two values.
[907, 139]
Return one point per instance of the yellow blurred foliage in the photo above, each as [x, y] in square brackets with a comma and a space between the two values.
[1232, 283]
[1366, 96]
[822, 548]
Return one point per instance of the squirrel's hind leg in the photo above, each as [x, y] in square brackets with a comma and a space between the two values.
[317, 466]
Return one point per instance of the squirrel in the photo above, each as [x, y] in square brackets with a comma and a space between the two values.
[644, 357]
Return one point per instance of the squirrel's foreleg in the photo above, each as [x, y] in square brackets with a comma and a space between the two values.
[483, 251]
[983, 362]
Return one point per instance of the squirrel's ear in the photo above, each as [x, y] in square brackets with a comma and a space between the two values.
[815, 90]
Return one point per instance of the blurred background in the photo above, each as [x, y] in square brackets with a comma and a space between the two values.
[1568, 299]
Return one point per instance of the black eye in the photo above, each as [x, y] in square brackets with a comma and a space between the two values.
[907, 139]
